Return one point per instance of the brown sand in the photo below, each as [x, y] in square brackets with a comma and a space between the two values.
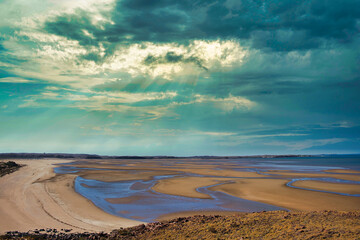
[332, 187]
[33, 197]
[126, 200]
[115, 176]
[153, 169]
[289, 174]
[342, 171]
[186, 186]
[275, 192]
[222, 173]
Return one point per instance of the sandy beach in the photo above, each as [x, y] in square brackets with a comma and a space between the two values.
[34, 197]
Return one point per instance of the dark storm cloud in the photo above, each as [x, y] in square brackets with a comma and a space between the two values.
[278, 25]
[1, 47]
[171, 57]
[72, 26]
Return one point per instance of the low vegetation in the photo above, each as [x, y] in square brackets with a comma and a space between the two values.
[263, 225]
[8, 167]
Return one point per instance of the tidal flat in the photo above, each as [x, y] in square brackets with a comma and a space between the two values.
[151, 189]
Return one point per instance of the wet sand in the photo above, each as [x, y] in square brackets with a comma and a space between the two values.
[119, 175]
[342, 171]
[289, 174]
[331, 187]
[275, 191]
[186, 186]
[220, 173]
[126, 200]
[33, 197]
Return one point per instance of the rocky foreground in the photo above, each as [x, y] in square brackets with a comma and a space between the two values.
[264, 225]
[8, 167]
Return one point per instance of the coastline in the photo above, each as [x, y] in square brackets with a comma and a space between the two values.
[35, 197]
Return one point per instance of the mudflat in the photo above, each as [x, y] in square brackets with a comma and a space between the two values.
[266, 186]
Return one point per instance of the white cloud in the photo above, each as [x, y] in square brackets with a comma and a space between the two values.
[105, 101]
[58, 59]
[14, 80]
[227, 104]
[305, 144]
[30, 103]
[216, 134]
[103, 97]
[212, 55]
[341, 124]
[241, 139]
[277, 135]
[181, 132]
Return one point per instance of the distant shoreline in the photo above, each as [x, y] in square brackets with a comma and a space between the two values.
[96, 156]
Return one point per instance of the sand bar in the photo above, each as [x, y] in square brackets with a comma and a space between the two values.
[126, 200]
[275, 192]
[34, 197]
[115, 176]
[220, 173]
[186, 186]
[331, 187]
[342, 171]
[289, 174]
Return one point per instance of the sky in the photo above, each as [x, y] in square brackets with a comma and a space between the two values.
[183, 78]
